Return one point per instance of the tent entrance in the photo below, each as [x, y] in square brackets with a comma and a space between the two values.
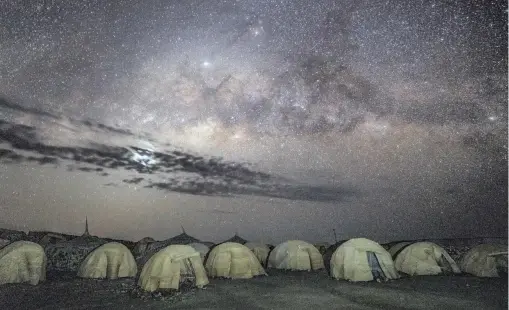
[376, 269]
[501, 262]
[309, 262]
[187, 274]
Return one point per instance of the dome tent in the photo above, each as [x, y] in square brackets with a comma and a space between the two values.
[260, 250]
[361, 259]
[295, 255]
[170, 266]
[485, 260]
[22, 262]
[111, 260]
[200, 248]
[152, 248]
[233, 260]
[424, 258]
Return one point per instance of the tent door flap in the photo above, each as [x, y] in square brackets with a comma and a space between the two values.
[376, 269]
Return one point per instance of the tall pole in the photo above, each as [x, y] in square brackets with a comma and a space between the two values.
[86, 233]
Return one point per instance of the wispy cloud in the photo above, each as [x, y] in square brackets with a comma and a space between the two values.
[172, 170]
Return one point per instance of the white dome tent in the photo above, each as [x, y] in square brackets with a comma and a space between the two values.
[424, 258]
[485, 260]
[22, 262]
[109, 261]
[233, 260]
[171, 266]
[361, 259]
[296, 255]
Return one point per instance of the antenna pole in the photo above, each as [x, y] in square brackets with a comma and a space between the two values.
[335, 236]
[86, 233]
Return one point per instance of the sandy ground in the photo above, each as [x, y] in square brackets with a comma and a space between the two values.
[280, 290]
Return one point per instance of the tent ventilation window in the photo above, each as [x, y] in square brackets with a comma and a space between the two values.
[376, 269]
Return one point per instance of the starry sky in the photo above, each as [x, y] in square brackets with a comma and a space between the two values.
[274, 119]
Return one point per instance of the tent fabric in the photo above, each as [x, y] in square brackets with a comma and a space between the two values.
[425, 258]
[260, 250]
[296, 255]
[109, 261]
[397, 248]
[485, 260]
[361, 259]
[22, 262]
[233, 260]
[374, 264]
[200, 248]
[170, 266]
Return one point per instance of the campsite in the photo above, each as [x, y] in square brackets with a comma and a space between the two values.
[266, 154]
[87, 272]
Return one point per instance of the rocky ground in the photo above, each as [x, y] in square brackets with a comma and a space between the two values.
[280, 290]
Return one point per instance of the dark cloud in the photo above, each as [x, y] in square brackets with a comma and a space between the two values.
[87, 169]
[6, 104]
[10, 156]
[133, 181]
[202, 176]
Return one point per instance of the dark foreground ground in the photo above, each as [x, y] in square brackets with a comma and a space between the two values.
[280, 290]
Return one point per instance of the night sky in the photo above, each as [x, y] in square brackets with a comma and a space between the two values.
[274, 119]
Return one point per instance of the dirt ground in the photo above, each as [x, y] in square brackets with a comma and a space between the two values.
[280, 290]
